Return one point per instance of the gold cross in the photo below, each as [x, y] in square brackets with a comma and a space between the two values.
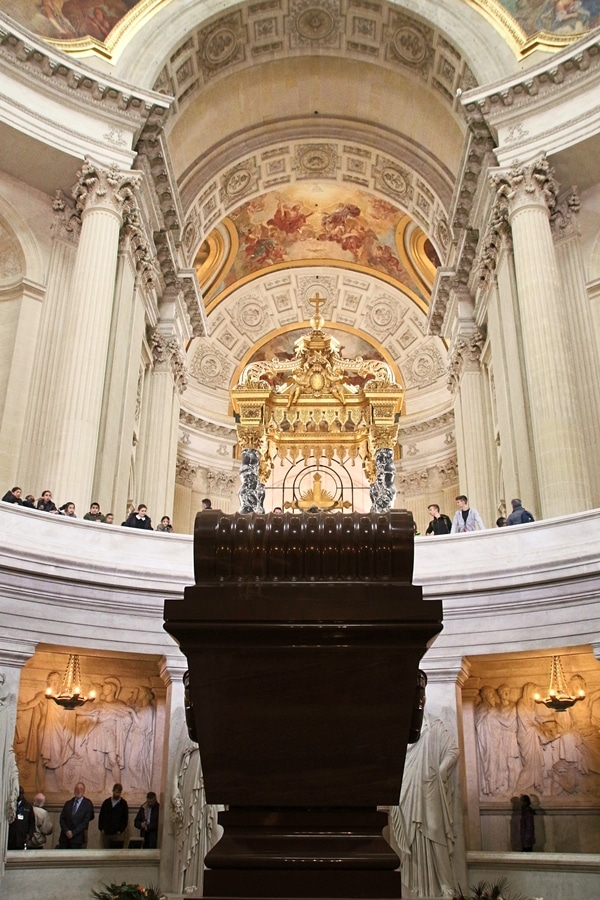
[316, 302]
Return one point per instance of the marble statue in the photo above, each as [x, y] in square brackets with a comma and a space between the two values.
[193, 821]
[9, 776]
[488, 698]
[423, 823]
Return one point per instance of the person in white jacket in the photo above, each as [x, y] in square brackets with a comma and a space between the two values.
[466, 519]
[43, 824]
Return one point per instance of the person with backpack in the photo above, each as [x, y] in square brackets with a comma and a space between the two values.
[519, 516]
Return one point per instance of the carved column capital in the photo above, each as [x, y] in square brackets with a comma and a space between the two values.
[168, 356]
[67, 220]
[497, 235]
[134, 237]
[185, 472]
[563, 220]
[526, 185]
[104, 188]
[464, 356]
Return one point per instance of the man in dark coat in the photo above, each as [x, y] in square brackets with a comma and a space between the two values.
[519, 516]
[114, 816]
[440, 523]
[147, 821]
[75, 817]
[21, 829]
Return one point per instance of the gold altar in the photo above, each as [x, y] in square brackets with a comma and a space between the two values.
[317, 405]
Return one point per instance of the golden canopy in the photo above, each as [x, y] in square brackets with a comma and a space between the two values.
[317, 404]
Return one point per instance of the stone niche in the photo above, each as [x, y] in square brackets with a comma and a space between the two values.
[514, 745]
[116, 738]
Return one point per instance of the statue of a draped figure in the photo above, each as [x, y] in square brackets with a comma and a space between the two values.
[423, 823]
[9, 775]
[194, 822]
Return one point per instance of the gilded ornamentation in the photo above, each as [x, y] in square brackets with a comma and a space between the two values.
[319, 405]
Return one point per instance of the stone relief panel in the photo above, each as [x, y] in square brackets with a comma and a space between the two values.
[115, 738]
[210, 366]
[522, 746]
[11, 258]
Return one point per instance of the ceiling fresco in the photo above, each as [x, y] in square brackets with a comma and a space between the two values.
[69, 19]
[75, 19]
[320, 223]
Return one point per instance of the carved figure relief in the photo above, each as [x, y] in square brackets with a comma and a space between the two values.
[109, 740]
[524, 746]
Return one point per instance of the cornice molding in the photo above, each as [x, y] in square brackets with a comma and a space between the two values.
[35, 61]
[568, 67]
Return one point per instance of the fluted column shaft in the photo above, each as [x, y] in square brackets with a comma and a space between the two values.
[557, 434]
[118, 425]
[512, 402]
[101, 195]
[586, 373]
[45, 407]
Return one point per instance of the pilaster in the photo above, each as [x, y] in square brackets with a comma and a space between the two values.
[586, 374]
[45, 409]
[474, 438]
[160, 422]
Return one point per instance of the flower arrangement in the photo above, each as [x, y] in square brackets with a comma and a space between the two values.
[126, 891]
[488, 890]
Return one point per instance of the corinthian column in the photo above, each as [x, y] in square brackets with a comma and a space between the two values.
[101, 195]
[474, 434]
[529, 193]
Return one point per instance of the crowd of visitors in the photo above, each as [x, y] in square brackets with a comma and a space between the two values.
[32, 825]
[466, 519]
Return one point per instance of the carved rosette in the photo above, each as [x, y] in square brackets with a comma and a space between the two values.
[101, 188]
[465, 355]
[522, 185]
